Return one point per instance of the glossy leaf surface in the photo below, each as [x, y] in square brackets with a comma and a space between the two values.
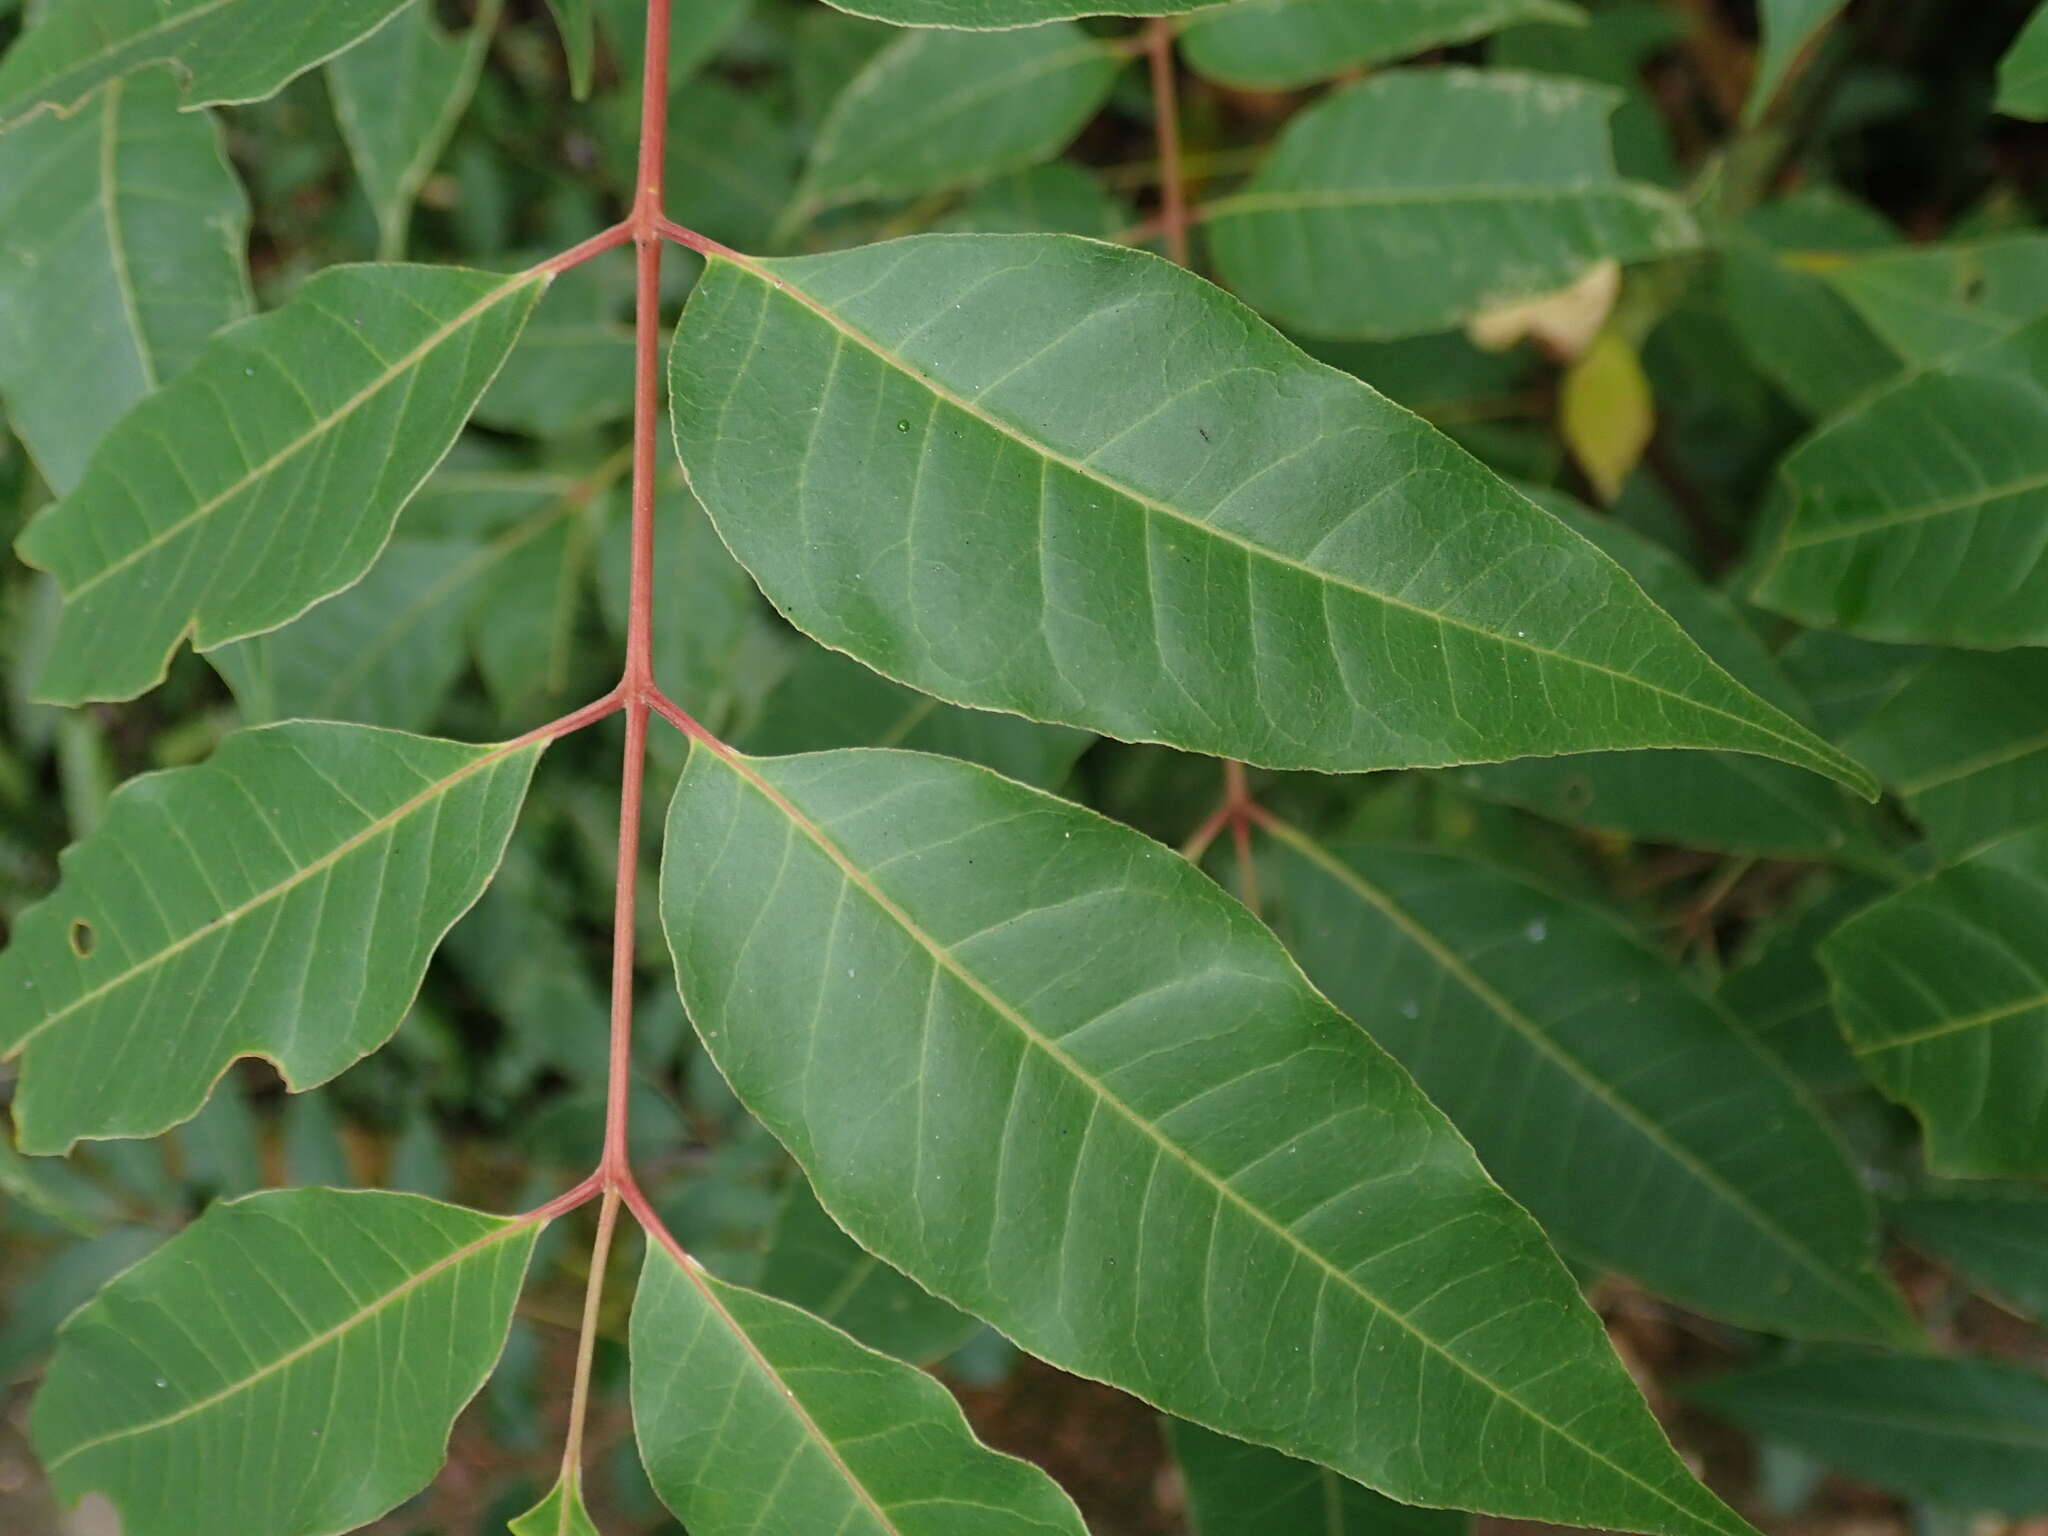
[1966, 1434]
[122, 230]
[1916, 515]
[1459, 190]
[287, 1329]
[753, 1417]
[1008, 496]
[1940, 993]
[1235, 1489]
[269, 474]
[937, 109]
[1282, 44]
[1629, 1115]
[279, 900]
[222, 50]
[1051, 1072]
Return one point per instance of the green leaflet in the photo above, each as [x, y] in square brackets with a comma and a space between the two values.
[121, 250]
[828, 700]
[992, 15]
[1939, 991]
[1007, 495]
[937, 109]
[1889, 538]
[1965, 743]
[1628, 1114]
[753, 1417]
[223, 50]
[1790, 28]
[1458, 189]
[561, 1513]
[2023, 72]
[812, 1264]
[268, 475]
[1931, 303]
[564, 374]
[1052, 1073]
[1778, 992]
[1724, 800]
[281, 1331]
[279, 900]
[398, 95]
[1283, 44]
[1997, 1235]
[1235, 1489]
[1059, 197]
[1970, 1435]
[578, 26]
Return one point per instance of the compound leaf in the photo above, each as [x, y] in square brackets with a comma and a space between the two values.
[754, 1417]
[1968, 1434]
[1940, 992]
[1056, 1076]
[283, 1330]
[222, 50]
[938, 109]
[1278, 45]
[1459, 190]
[122, 230]
[279, 900]
[1635, 1121]
[269, 474]
[1217, 544]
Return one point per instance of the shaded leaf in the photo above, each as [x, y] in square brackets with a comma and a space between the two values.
[696, 31]
[122, 230]
[1997, 1236]
[811, 1263]
[937, 109]
[1460, 190]
[1968, 1434]
[1059, 1078]
[1059, 198]
[1219, 545]
[754, 1417]
[1778, 992]
[1846, 680]
[2023, 72]
[1916, 515]
[567, 371]
[1790, 29]
[1235, 1489]
[1939, 991]
[829, 700]
[269, 474]
[578, 26]
[279, 900]
[1933, 302]
[1629, 1115]
[281, 1330]
[223, 50]
[398, 95]
[1965, 743]
[1282, 44]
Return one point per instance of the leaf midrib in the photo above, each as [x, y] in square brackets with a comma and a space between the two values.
[774, 284]
[233, 915]
[946, 959]
[511, 1228]
[319, 429]
[36, 93]
[1454, 965]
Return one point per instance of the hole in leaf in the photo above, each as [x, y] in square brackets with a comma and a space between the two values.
[82, 938]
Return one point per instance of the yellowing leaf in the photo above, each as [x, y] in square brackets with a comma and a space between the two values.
[1606, 413]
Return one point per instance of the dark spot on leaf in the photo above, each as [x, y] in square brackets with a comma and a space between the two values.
[81, 938]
